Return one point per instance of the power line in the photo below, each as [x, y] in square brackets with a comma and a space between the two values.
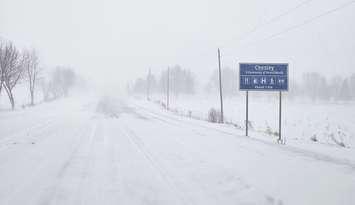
[305, 22]
[275, 18]
[271, 20]
[268, 22]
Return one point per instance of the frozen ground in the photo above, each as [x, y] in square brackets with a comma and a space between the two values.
[110, 151]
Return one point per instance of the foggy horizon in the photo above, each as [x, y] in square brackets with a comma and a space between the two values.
[125, 39]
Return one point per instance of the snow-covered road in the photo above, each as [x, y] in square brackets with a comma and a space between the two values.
[144, 155]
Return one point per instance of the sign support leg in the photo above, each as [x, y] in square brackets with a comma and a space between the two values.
[280, 103]
[246, 113]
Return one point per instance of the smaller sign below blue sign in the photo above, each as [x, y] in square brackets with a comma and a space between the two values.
[264, 76]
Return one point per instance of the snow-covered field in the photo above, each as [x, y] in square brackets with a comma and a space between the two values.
[332, 124]
[115, 151]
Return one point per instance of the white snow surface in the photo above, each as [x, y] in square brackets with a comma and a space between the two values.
[114, 151]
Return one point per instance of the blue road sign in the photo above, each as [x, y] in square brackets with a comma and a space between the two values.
[263, 76]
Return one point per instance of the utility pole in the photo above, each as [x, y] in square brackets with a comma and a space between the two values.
[220, 83]
[148, 84]
[167, 90]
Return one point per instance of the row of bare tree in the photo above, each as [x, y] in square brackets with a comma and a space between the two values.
[23, 66]
[16, 65]
[181, 81]
[312, 85]
[58, 84]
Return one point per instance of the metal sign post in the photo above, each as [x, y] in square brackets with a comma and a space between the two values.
[246, 113]
[263, 77]
[280, 103]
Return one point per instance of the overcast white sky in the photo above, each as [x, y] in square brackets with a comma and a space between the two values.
[114, 41]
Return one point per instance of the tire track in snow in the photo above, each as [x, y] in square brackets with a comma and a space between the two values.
[178, 123]
[29, 180]
[22, 134]
[239, 186]
[63, 181]
[91, 189]
[141, 148]
[112, 179]
[29, 124]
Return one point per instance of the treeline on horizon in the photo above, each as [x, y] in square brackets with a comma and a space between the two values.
[312, 86]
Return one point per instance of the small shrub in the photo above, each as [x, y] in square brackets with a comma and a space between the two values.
[336, 141]
[214, 116]
[314, 138]
[250, 125]
[163, 105]
[268, 130]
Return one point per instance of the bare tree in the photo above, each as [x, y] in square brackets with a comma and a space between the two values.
[352, 85]
[229, 82]
[315, 86]
[182, 81]
[30, 63]
[63, 79]
[11, 69]
[45, 87]
[345, 91]
[1, 66]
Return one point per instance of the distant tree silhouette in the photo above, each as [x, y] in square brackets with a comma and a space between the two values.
[345, 93]
[229, 82]
[352, 85]
[182, 81]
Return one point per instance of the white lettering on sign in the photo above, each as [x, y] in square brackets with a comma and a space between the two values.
[263, 80]
[281, 81]
[264, 68]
